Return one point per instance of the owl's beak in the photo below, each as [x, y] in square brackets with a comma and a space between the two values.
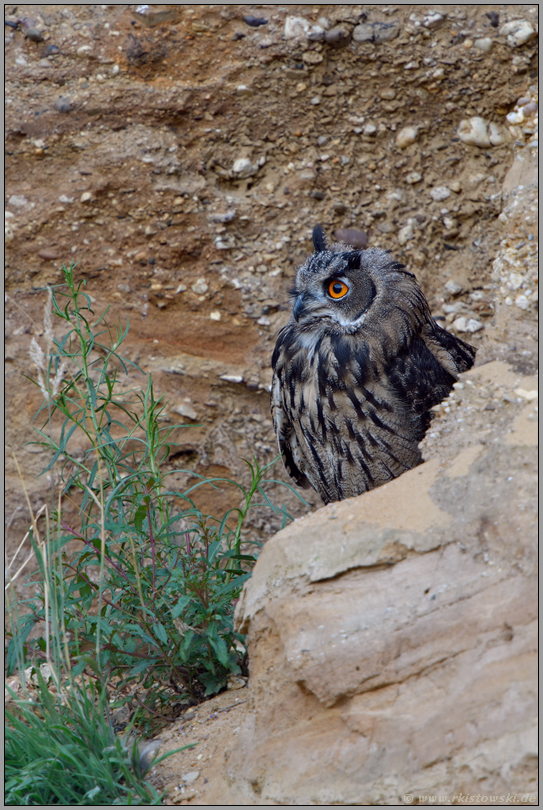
[299, 307]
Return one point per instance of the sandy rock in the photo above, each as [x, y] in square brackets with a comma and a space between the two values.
[338, 37]
[471, 325]
[477, 131]
[517, 33]
[412, 178]
[483, 44]
[405, 234]
[243, 167]
[186, 410]
[385, 631]
[440, 193]
[352, 236]
[300, 28]
[434, 19]
[375, 32]
[406, 136]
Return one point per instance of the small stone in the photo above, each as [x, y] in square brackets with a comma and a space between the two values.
[18, 200]
[529, 395]
[48, 253]
[150, 17]
[315, 34]
[464, 324]
[452, 288]
[433, 19]
[200, 286]
[228, 216]
[406, 136]
[316, 100]
[312, 57]
[484, 44]
[494, 18]
[296, 27]
[63, 105]
[186, 411]
[522, 302]
[369, 130]
[515, 118]
[529, 108]
[413, 177]
[375, 32]
[517, 33]
[85, 197]
[215, 315]
[440, 193]
[49, 50]
[353, 237]
[455, 186]
[478, 132]
[405, 234]
[322, 140]
[191, 777]
[338, 37]
[231, 378]
[254, 22]
[33, 34]
[244, 167]
[21, 61]
[181, 288]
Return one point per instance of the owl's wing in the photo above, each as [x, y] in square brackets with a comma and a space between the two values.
[454, 354]
[286, 437]
[419, 378]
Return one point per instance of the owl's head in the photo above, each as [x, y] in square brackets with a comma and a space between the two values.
[338, 288]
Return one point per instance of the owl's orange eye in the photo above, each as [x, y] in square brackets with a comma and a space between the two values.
[337, 289]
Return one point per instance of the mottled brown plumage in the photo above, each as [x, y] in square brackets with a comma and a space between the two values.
[356, 370]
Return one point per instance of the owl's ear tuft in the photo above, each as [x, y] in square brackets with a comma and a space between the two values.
[319, 239]
[353, 260]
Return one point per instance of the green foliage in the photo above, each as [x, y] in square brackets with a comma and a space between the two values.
[64, 751]
[146, 600]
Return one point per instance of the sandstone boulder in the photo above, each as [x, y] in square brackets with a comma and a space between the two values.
[392, 636]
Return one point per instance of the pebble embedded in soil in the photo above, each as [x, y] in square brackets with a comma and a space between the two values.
[338, 37]
[200, 286]
[254, 22]
[33, 34]
[517, 33]
[406, 136]
[63, 105]
[352, 236]
[375, 32]
[440, 193]
[477, 131]
[191, 777]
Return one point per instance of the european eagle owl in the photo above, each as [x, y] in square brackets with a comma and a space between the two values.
[357, 369]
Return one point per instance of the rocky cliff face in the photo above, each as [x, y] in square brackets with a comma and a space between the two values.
[392, 637]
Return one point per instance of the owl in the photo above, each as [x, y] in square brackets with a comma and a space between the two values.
[356, 370]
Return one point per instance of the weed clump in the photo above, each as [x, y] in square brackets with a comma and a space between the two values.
[138, 593]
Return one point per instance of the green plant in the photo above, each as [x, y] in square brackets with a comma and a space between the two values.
[146, 600]
[64, 751]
